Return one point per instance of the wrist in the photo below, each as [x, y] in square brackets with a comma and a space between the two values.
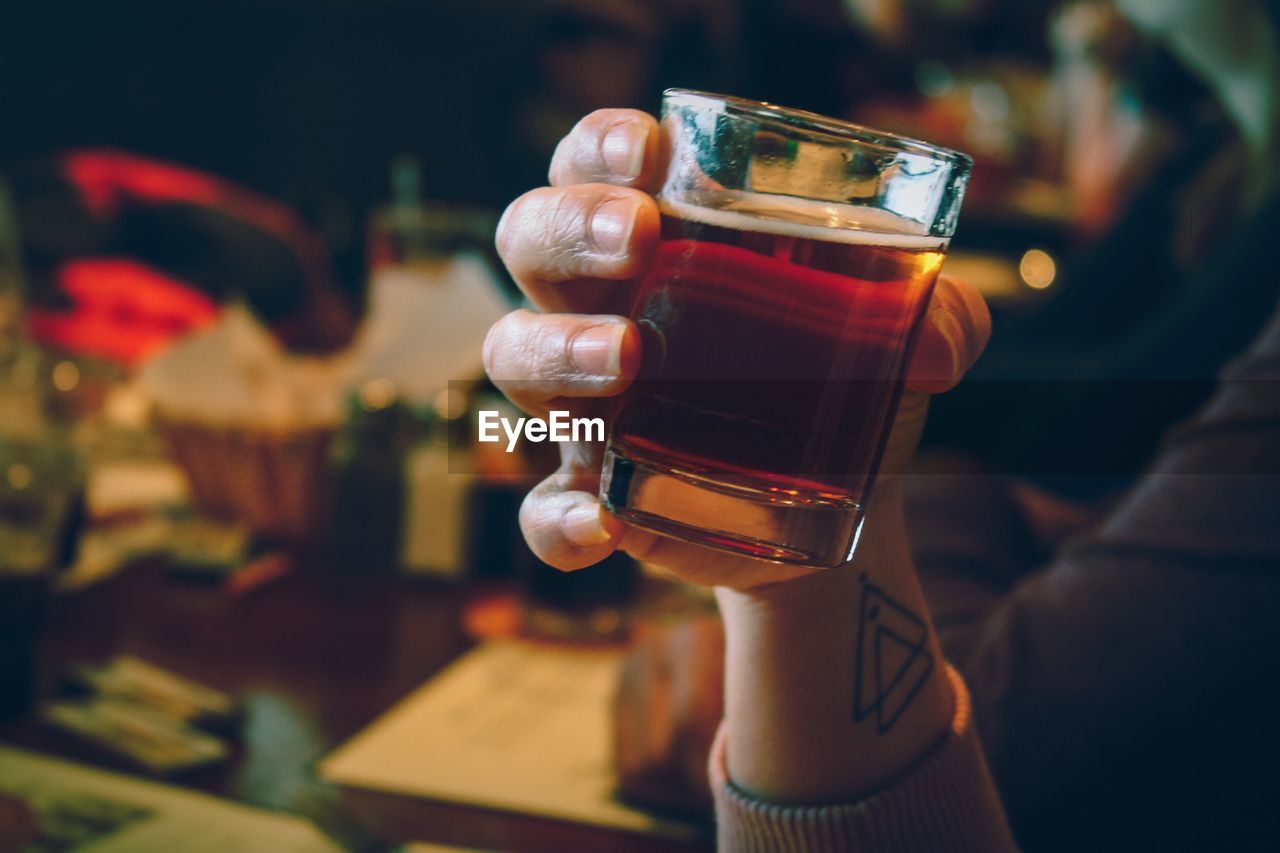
[807, 719]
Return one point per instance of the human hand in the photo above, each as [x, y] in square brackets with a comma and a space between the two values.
[577, 249]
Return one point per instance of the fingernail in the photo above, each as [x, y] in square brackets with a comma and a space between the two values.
[597, 351]
[623, 149]
[583, 525]
[611, 225]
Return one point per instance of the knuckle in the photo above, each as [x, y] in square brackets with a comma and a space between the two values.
[597, 117]
[546, 350]
[601, 121]
[579, 156]
[567, 163]
[596, 123]
[566, 218]
[487, 348]
[540, 516]
[494, 342]
[544, 232]
[562, 166]
[528, 513]
[500, 236]
[509, 231]
[505, 345]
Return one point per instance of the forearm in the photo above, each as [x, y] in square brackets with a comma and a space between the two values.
[834, 684]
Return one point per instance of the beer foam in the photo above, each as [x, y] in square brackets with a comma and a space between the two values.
[840, 223]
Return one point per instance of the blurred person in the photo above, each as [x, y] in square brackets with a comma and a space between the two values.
[1150, 121]
[1116, 655]
[947, 29]
[1171, 132]
[1112, 133]
[124, 253]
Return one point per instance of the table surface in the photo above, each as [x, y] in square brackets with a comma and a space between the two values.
[314, 658]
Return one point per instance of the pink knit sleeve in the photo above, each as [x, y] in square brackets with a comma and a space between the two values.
[946, 803]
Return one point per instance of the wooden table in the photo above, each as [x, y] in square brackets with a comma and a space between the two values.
[314, 658]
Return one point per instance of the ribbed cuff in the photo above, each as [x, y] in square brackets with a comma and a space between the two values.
[946, 803]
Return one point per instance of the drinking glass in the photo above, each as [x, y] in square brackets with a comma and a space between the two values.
[796, 259]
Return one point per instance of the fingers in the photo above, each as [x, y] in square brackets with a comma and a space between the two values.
[589, 232]
[956, 329]
[534, 358]
[593, 225]
[567, 527]
[612, 147]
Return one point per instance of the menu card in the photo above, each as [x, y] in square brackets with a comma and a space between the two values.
[511, 725]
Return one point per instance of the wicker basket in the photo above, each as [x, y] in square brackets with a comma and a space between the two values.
[276, 481]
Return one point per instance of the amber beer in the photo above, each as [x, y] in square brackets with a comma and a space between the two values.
[796, 259]
[775, 351]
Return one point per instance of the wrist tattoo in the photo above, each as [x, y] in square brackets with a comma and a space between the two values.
[893, 660]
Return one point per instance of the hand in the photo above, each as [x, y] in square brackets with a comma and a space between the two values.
[577, 250]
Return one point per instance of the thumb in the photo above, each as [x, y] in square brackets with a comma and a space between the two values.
[956, 328]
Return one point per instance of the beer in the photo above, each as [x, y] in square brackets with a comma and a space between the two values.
[776, 337]
[795, 263]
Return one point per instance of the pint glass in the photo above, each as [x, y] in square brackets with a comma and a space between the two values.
[796, 260]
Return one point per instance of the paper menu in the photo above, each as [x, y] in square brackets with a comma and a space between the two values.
[95, 811]
[511, 726]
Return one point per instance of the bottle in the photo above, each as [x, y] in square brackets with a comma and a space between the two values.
[368, 463]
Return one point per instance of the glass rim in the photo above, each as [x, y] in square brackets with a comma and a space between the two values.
[816, 122]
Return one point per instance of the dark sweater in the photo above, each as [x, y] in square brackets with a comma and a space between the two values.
[1123, 687]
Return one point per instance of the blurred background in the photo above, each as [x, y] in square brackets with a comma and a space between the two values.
[246, 264]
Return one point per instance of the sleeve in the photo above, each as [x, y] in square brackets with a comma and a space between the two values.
[1128, 678]
[946, 804]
